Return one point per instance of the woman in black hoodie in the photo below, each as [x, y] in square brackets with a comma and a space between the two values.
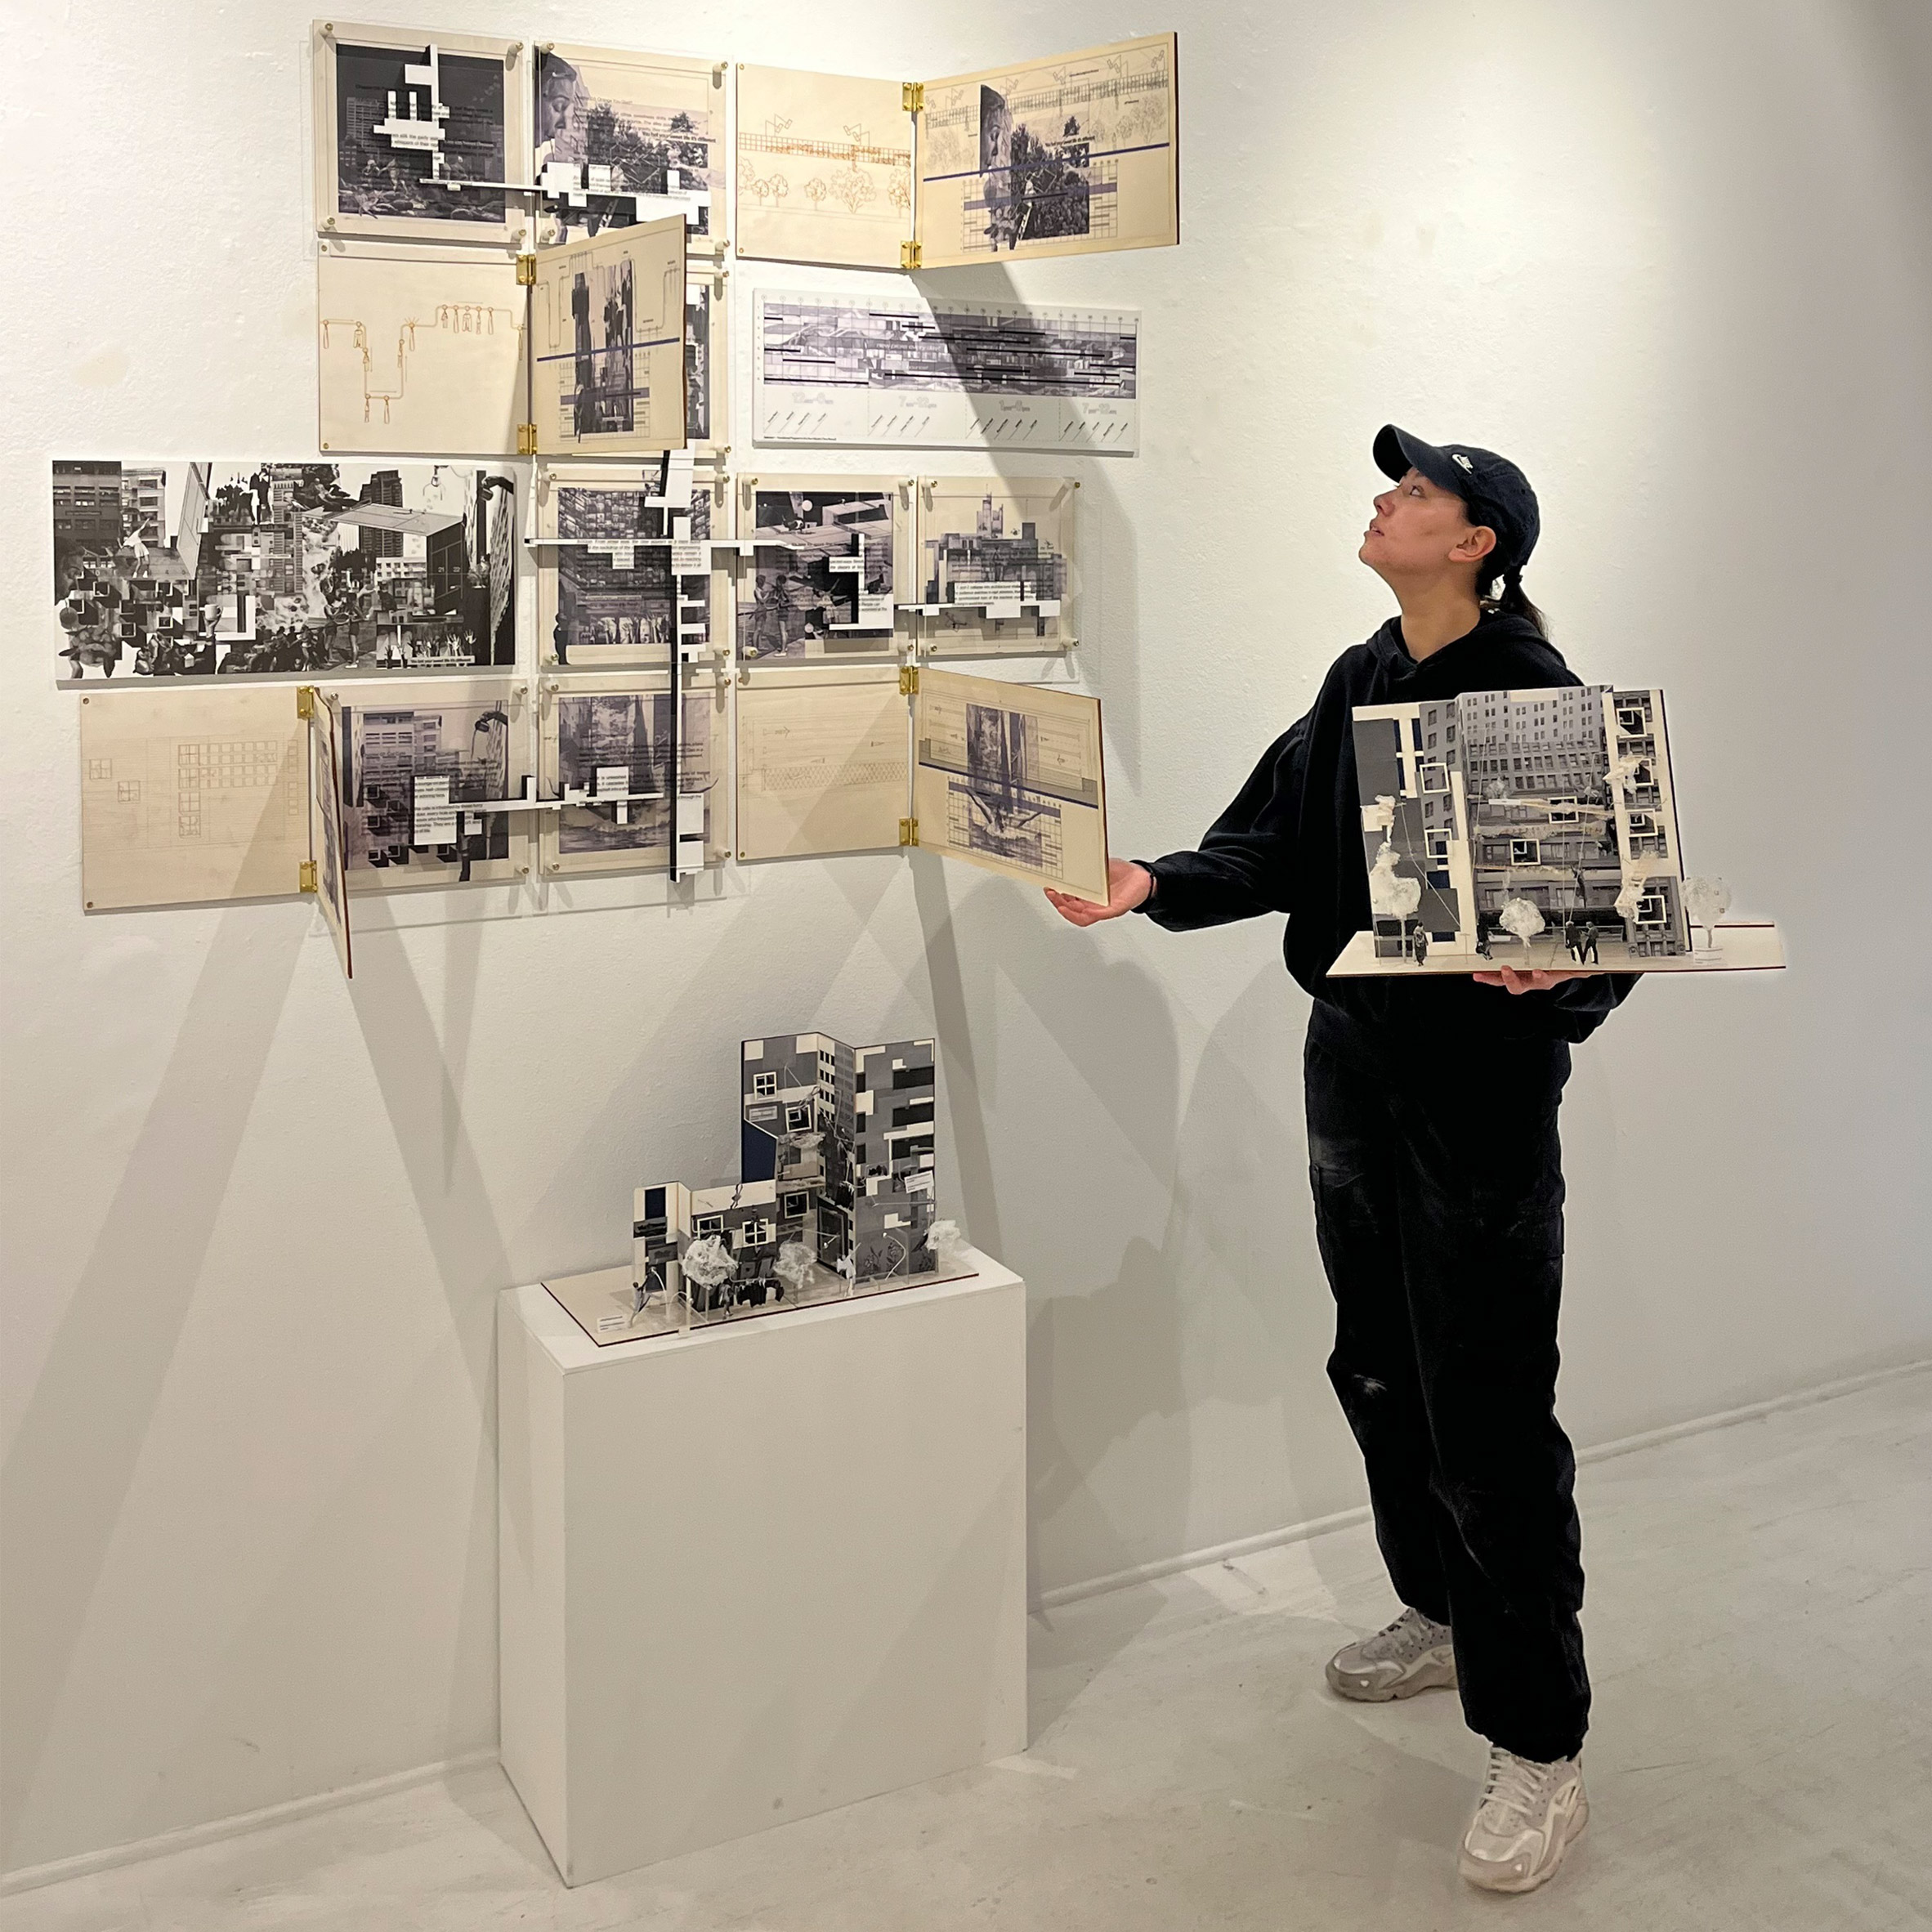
[1435, 1167]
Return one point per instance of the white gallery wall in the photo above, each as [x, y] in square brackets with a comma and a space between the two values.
[1677, 261]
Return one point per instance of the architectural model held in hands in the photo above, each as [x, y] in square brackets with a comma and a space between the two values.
[1533, 830]
[834, 1199]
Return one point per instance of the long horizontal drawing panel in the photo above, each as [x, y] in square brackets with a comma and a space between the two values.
[607, 342]
[420, 351]
[192, 795]
[824, 169]
[1067, 156]
[417, 132]
[822, 760]
[183, 568]
[899, 372]
[624, 137]
[1009, 777]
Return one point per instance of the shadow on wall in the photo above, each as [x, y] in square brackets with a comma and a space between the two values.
[1227, 1306]
[67, 1477]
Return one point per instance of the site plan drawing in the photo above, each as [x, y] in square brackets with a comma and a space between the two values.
[414, 131]
[1531, 829]
[824, 169]
[822, 763]
[896, 370]
[192, 795]
[995, 558]
[420, 350]
[181, 569]
[623, 137]
[607, 342]
[1060, 157]
[1008, 776]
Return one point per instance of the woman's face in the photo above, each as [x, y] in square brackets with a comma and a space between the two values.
[1420, 529]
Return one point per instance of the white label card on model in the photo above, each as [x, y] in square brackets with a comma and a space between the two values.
[1003, 600]
[689, 560]
[613, 781]
[845, 566]
[1049, 606]
[435, 816]
[875, 609]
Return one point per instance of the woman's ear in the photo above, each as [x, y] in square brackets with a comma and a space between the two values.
[1474, 544]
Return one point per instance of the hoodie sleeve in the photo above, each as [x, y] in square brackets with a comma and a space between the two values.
[1245, 864]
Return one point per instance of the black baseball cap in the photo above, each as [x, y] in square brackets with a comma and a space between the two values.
[1494, 491]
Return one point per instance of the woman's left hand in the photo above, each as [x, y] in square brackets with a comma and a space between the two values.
[1538, 980]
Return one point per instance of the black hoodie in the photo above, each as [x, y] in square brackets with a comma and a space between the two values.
[1291, 841]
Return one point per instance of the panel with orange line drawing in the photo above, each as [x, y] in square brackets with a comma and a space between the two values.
[420, 350]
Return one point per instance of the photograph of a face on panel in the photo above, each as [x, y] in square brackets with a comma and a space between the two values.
[622, 138]
[416, 764]
[831, 562]
[619, 580]
[823, 759]
[996, 557]
[419, 135]
[641, 783]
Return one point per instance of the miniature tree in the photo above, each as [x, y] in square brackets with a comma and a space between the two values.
[1521, 919]
[1706, 900]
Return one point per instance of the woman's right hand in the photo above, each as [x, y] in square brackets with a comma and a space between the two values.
[1127, 886]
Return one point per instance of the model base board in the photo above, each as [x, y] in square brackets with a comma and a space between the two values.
[600, 1303]
[1742, 947]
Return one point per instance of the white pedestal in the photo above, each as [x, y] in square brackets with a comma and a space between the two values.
[757, 1572]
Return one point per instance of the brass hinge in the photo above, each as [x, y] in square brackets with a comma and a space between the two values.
[526, 271]
[912, 95]
[305, 880]
[909, 681]
[526, 439]
[305, 701]
[909, 831]
[909, 254]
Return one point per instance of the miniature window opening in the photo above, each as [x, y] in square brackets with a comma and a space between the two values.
[1653, 910]
[796, 1205]
[764, 1086]
[708, 1224]
[797, 1119]
[1438, 846]
[1435, 778]
[1524, 852]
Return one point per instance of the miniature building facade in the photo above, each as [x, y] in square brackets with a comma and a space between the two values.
[836, 1152]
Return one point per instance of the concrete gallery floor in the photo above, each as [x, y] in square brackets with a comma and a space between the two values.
[1760, 1625]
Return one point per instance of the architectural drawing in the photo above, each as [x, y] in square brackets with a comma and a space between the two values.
[1008, 776]
[623, 137]
[192, 795]
[185, 569]
[411, 762]
[996, 562]
[326, 875]
[607, 342]
[951, 373]
[419, 350]
[835, 1195]
[1526, 829]
[707, 362]
[608, 745]
[1060, 157]
[414, 132]
[831, 556]
[823, 762]
[607, 593]
[824, 169]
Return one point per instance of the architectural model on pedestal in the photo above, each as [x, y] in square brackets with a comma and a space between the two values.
[834, 1195]
[1530, 829]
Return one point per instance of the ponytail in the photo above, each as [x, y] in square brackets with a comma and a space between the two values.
[1513, 601]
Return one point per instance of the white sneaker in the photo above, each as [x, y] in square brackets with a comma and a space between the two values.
[1412, 1654]
[1528, 1815]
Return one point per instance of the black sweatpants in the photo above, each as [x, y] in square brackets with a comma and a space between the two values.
[1438, 1205]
